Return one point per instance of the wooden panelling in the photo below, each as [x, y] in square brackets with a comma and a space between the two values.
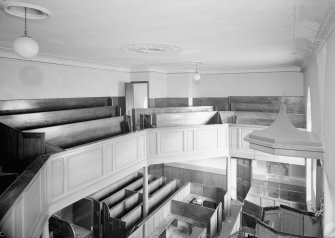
[168, 102]
[159, 110]
[74, 134]
[125, 152]
[266, 104]
[42, 105]
[179, 144]
[57, 173]
[183, 119]
[33, 199]
[207, 139]
[90, 164]
[43, 119]
[293, 222]
[196, 176]
[267, 118]
[172, 142]
[220, 103]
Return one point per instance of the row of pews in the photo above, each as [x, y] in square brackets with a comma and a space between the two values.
[30, 128]
[117, 210]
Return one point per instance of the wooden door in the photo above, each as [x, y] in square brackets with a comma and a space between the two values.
[244, 171]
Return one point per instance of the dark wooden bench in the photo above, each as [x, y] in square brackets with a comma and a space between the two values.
[137, 112]
[9, 107]
[121, 219]
[74, 221]
[28, 121]
[74, 134]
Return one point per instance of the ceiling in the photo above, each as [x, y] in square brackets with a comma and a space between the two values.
[226, 35]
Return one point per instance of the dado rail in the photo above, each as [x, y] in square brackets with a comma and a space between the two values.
[55, 181]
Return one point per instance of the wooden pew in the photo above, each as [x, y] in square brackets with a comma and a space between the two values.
[9, 107]
[136, 112]
[186, 119]
[28, 121]
[125, 206]
[18, 149]
[198, 215]
[295, 104]
[115, 187]
[76, 220]
[74, 134]
[121, 219]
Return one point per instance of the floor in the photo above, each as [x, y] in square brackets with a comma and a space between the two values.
[232, 224]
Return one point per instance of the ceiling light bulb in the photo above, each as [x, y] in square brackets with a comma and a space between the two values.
[26, 47]
[196, 76]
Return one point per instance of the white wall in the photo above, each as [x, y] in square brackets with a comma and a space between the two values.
[319, 77]
[21, 79]
[223, 85]
[250, 84]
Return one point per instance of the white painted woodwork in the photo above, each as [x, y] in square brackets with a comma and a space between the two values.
[311, 177]
[77, 172]
[179, 144]
[227, 203]
[70, 175]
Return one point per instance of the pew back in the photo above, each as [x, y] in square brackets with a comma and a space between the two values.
[8, 107]
[70, 135]
[28, 121]
[186, 119]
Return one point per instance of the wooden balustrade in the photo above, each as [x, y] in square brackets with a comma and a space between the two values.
[187, 143]
[54, 182]
[67, 176]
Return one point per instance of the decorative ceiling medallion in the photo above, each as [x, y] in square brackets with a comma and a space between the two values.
[151, 48]
[33, 12]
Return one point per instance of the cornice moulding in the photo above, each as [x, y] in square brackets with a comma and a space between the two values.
[6, 53]
[51, 59]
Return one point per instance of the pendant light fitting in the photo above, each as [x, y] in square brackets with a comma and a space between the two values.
[196, 76]
[25, 46]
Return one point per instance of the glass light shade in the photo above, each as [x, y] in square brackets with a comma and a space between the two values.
[196, 76]
[26, 47]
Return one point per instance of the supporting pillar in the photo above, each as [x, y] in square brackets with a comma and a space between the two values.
[145, 192]
[233, 179]
[227, 205]
[311, 167]
[45, 233]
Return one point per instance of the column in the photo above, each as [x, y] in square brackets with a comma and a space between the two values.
[233, 179]
[145, 192]
[311, 184]
[45, 233]
[227, 205]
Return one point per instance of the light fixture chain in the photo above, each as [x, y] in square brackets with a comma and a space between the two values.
[25, 22]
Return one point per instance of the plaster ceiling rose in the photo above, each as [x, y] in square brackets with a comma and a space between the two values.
[152, 48]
